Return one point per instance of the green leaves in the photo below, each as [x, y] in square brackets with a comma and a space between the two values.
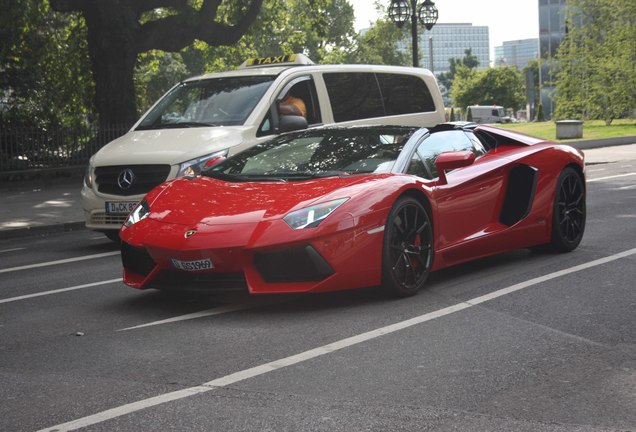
[596, 78]
[496, 86]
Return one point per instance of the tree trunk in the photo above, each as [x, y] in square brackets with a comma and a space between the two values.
[112, 31]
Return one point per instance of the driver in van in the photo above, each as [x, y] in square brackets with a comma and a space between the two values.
[291, 105]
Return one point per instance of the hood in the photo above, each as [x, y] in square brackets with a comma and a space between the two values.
[168, 146]
[216, 202]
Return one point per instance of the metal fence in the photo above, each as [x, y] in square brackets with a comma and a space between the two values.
[23, 149]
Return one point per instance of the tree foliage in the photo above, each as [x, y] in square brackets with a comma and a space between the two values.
[495, 86]
[597, 74]
[140, 48]
[378, 45]
[45, 76]
[469, 60]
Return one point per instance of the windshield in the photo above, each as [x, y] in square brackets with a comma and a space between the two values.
[211, 102]
[317, 153]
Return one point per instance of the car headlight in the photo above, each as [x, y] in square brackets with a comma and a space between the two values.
[311, 216]
[195, 166]
[140, 212]
[88, 175]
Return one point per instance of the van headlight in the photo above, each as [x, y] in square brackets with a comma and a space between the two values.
[140, 212]
[88, 175]
[310, 217]
[195, 166]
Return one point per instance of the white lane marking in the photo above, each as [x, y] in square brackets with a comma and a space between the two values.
[610, 177]
[316, 352]
[204, 313]
[45, 293]
[63, 261]
[11, 250]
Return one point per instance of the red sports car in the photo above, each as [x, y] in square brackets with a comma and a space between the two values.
[339, 208]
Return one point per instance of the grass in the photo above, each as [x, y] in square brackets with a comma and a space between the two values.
[592, 129]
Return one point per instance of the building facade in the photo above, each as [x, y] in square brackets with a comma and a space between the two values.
[552, 30]
[517, 53]
[451, 41]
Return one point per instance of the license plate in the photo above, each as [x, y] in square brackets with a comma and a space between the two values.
[196, 265]
[120, 207]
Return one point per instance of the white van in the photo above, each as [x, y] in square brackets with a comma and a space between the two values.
[487, 114]
[217, 115]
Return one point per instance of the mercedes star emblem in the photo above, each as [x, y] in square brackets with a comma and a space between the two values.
[126, 179]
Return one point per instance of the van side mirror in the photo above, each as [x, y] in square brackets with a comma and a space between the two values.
[452, 160]
[288, 123]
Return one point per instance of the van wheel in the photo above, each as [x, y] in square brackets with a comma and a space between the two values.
[113, 235]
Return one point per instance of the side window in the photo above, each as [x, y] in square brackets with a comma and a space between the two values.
[405, 94]
[354, 96]
[478, 147]
[416, 167]
[444, 141]
[299, 99]
[304, 93]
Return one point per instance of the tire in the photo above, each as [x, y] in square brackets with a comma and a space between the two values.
[568, 212]
[407, 249]
[112, 235]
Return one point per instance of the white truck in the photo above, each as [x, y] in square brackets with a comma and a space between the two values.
[486, 114]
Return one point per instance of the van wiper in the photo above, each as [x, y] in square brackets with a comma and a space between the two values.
[186, 125]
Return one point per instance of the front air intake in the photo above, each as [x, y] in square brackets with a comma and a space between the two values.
[299, 264]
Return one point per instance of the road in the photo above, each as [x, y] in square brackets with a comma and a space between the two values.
[522, 341]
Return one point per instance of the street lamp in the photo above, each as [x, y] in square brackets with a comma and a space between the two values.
[401, 10]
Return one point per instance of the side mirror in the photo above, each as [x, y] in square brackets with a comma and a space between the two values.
[288, 123]
[452, 160]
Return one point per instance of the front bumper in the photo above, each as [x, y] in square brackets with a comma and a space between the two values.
[245, 259]
[95, 210]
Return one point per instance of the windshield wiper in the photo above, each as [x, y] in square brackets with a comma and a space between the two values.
[241, 178]
[186, 125]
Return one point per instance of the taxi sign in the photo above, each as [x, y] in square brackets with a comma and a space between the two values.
[280, 60]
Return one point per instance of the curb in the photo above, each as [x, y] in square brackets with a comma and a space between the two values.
[599, 143]
[41, 230]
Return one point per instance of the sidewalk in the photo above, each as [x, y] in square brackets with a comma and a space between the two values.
[40, 207]
[54, 205]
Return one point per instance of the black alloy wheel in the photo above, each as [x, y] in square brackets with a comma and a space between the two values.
[568, 218]
[407, 253]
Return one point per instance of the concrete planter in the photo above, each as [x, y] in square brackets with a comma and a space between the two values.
[569, 129]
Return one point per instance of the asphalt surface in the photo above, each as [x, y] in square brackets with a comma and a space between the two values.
[521, 341]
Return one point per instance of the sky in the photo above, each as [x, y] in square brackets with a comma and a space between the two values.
[507, 20]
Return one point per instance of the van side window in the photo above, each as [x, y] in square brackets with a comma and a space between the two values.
[354, 95]
[304, 92]
[405, 94]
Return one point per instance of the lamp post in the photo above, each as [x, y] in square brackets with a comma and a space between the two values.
[401, 10]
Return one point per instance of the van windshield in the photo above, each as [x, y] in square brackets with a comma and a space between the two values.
[224, 101]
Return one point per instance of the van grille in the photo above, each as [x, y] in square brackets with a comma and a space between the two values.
[101, 218]
[127, 180]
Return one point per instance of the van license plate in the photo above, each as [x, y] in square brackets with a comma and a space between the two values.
[120, 207]
[196, 265]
